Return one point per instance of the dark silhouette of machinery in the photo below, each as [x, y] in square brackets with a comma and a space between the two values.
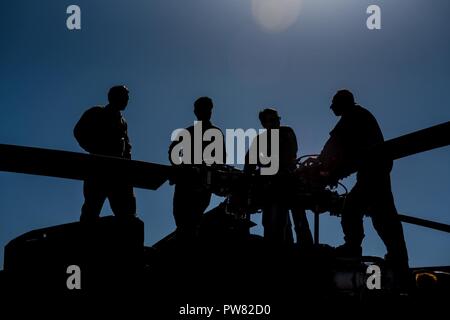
[226, 257]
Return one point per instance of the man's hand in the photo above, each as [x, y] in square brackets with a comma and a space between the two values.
[331, 180]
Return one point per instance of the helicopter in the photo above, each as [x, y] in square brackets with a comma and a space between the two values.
[226, 258]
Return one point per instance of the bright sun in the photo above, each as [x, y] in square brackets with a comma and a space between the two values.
[276, 15]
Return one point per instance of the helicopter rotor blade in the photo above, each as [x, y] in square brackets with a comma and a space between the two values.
[79, 166]
[73, 165]
[425, 223]
[416, 142]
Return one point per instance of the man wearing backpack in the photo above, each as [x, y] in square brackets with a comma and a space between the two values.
[103, 131]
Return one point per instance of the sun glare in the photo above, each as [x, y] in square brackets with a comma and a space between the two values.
[276, 15]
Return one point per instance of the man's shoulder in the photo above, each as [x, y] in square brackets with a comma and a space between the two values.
[205, 126]
[366, 118]
[212, 126]
[287, 130]
[94, 111]
[363, 112]
[97, 108]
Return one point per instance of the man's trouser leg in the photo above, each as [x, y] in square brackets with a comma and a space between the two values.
[276, 223]
[122, 200]
[188, 207]
[352, 217]
[301, 226]
[387, 223]
[94, 196]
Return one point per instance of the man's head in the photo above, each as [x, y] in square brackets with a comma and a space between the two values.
[343, 100]
[203, 108]
[118, 97]
[269, 118]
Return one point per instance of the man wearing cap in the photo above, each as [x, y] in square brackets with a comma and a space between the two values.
[277, 201]
[346, 150]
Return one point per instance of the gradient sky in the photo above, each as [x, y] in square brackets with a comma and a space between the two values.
[169, 52]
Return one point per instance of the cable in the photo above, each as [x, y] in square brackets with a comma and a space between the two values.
[307, 156]
[343, 186]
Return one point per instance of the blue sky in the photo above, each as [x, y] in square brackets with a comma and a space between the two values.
[170, 52]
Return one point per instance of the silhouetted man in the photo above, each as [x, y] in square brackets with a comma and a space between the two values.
[191, 196]
[354, 135]
[103, 130]
[277, 202]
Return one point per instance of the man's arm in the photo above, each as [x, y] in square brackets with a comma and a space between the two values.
[127, 149]
[293, 146]
[178, 139]
[171, 146]
[253, 149]
[224, 150]
[84, 130]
